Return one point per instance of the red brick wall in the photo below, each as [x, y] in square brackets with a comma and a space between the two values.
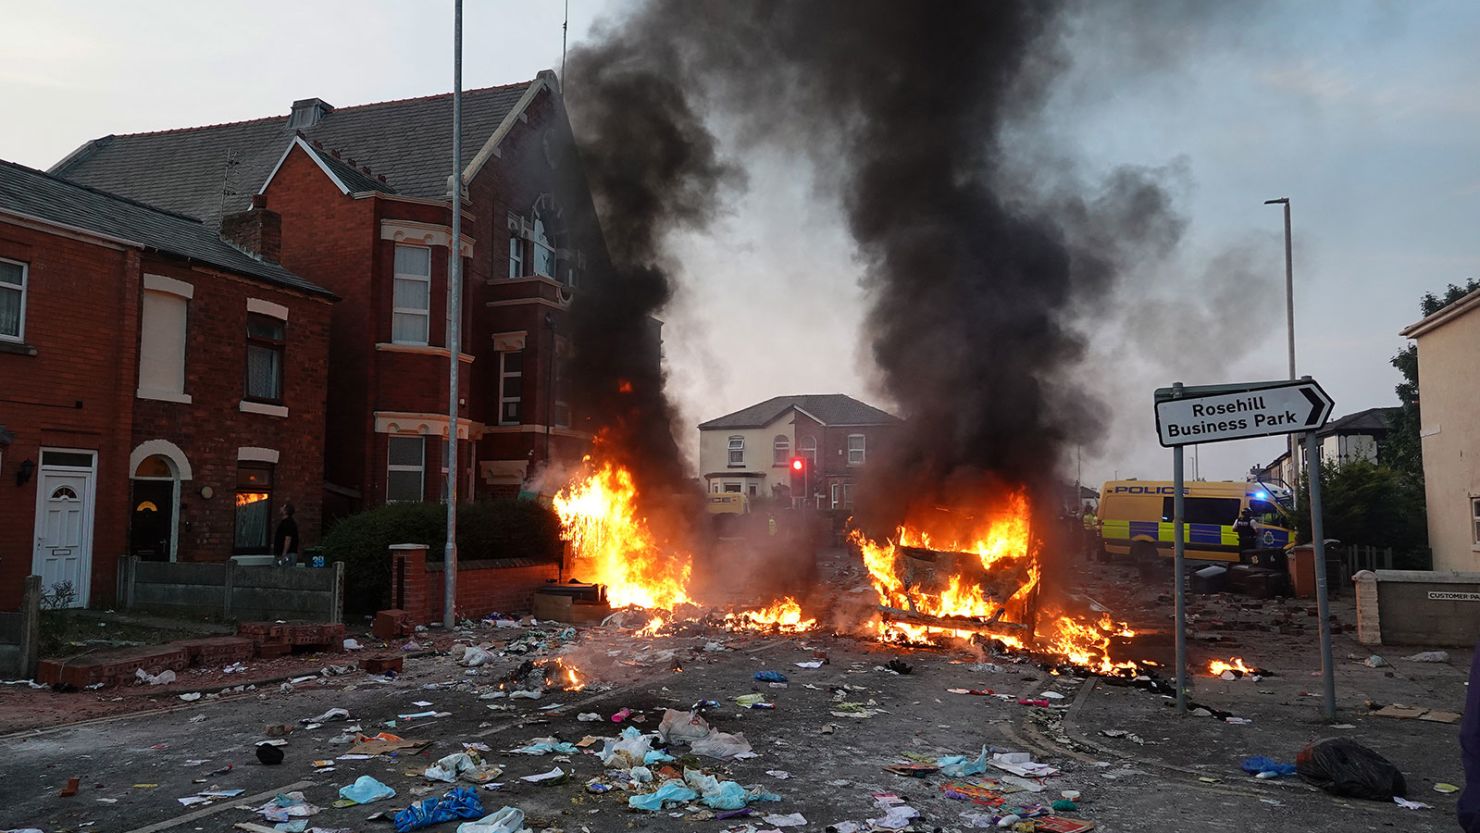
[71, 393]
[483, 587]
[212, 428]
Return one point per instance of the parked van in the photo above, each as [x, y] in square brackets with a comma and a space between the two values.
[1136, 518]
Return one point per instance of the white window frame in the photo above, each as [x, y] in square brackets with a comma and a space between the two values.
[420, 470]
[424, 313]
[20, 333]
[735, 452]
[781, 450]
[536, 231]
[862, 449]
[503, 374]
[835, 493]
[807, 448]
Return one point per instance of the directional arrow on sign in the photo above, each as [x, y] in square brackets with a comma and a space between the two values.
[1217, 413]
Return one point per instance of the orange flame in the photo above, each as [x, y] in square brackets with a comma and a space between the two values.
[1217, 667]
[784, 616]
[612, 545]
[249, 498]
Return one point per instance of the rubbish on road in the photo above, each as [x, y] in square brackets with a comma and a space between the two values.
[190, 697]
[770, 677]
[1061, 824]
[278, 730]
[1342, 766]
[1022, 764]
[503, 820]
[1040, 702]
[1072, 795]
[269, 755]
[960, 766]
[778, 774]
[1009, 820]
[544, 746]
[287, 807]
[1053, 695]
[627, 750]
[1410, 805]
[366, 790]
[1429, 656]
[448, 768]
[330, 715]
[896, 816]
[1402, 712]
[527, 694]
[748, 700]
[385, 743]
[164, 677]
[474, 656]
[1260, 765]
[816, 663]
[974, 791]
[1064, 805]
[785, 820]
[621, 714]
[71, 788]
[671, 790]
[1122, 733]
[691, 729]
[352, 644]
[899, 666]
[586, 717]
[1442, 787]
[910, 770]
[1375, 661]
[456, 803]
[553, 775]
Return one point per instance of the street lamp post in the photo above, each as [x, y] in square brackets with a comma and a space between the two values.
[1290, 327]
[454, 334]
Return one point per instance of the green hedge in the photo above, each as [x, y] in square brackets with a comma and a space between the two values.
[485, 530]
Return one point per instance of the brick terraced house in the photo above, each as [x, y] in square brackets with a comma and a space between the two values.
[161, 389]
[363, 194]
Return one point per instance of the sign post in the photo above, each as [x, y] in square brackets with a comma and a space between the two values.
[1218, 413]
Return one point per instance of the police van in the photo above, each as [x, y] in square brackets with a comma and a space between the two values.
[1136, 518]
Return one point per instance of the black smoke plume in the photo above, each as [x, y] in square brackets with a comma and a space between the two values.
[903, 111]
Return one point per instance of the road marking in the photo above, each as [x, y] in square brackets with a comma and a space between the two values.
[225, 805]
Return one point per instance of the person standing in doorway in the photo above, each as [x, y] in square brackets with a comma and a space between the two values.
[285, 540]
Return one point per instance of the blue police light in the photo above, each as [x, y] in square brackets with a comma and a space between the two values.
[1262, 495]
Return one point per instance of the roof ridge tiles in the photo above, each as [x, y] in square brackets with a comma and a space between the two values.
[351, 107]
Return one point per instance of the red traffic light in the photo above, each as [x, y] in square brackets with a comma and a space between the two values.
[798, 463]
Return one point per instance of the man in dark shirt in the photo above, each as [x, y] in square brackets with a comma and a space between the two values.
[285, 540]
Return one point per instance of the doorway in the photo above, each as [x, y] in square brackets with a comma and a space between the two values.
[64, 524]
[155, 490]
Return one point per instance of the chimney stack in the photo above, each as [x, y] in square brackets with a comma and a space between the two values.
[256, 231]
[308, 112]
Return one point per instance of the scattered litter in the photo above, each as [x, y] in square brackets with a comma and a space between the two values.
[1122, 733]
[1375, 661]
[909, 770]
[366, 790]
[448, 768]
[384, 743]
[421, 704]
[672, 790]
[1053, 695]
[691, 729]
[198, 718]
[816, 663]
[456, 803]
[1410, 805]
[1402, 712]
[778, 774]
[960, 766]
[70, 789]
[503, 820]
[899, 666]
[269, 754]
[330, 715]
[552, 775]
[588, 717]
[286, 807]
[164, 677]
[1261, 766]
[1429, 656]
[544, 746]
[786, 820]
[191, 697]
[1022, 764]
[770, 677]
[352, 644]
[1342, 766]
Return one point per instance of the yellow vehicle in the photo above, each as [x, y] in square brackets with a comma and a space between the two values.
[727, 503]
[1136, 518]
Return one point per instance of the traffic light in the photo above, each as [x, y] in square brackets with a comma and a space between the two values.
[798, 468]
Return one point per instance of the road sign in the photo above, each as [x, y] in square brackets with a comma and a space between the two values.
[1216, 413]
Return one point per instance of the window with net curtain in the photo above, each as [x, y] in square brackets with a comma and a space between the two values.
[780, 450]
[12, 300]
[253, 507]
[265, 339]
[411, 305]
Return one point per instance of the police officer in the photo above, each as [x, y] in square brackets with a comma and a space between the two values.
[1248, 536]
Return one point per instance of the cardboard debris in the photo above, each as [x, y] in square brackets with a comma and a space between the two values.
[1437, 716]
[386, 742]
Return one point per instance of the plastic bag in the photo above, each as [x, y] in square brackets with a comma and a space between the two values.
[1260, 764]
[1344, 767]
[447, 769]
[670, 791]
[457, 803]
[503, 820]
[627, 750]
[722, 745]
[366, 789]
[544, 746]
[959, 766]
[682, 727]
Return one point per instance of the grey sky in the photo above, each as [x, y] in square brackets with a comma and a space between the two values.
[1364, 113]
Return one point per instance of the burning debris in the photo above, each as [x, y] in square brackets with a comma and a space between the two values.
[1234, 668]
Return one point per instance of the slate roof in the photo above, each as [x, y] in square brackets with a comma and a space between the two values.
[1370, 421]
[829, 408]
[408, 141]
[353, 178]
[39, 194]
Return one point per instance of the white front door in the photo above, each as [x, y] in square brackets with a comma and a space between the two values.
[64, 524]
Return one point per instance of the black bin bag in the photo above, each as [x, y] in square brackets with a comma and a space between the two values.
[1344, 767]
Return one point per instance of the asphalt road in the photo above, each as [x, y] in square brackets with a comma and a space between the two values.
[133, 770]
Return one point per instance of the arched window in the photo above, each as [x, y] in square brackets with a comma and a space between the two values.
[780, 450]
[807, 447]
[155, 467]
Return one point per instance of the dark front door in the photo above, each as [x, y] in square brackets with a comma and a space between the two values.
[153, 519]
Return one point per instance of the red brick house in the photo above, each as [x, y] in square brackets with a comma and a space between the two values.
[363, 192]
[163, 390]
[748, 451]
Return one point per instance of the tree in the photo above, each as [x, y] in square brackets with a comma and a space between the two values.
[1403, 451]
[1371, 504]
